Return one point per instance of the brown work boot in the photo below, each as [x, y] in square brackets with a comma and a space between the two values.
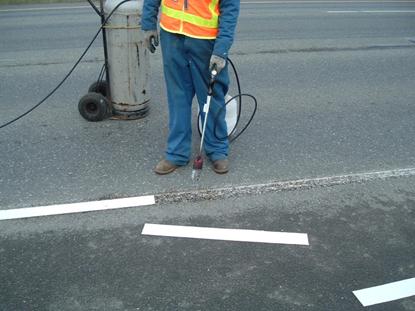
[221, 166]
[165, 167]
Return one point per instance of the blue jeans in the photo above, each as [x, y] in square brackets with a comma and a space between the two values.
[186, 73]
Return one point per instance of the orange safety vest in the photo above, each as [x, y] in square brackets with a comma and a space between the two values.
[193, 18]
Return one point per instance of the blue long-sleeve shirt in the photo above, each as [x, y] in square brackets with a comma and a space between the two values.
[229, 12]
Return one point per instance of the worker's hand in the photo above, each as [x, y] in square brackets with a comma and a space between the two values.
[217, 63]
[151, 40]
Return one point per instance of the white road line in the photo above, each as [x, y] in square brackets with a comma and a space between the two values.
[76, 207]
[384, 293]
[205, 194]
[239, 235]
[372, 11]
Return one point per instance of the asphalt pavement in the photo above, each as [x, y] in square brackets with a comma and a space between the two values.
[360, 236]
[336, 100]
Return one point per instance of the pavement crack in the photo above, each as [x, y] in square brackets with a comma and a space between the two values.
[278, 186]
[27, 64]
[330, 49]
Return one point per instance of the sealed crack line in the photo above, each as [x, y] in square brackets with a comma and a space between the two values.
[327, 49]
[29, 64]
[278, 186]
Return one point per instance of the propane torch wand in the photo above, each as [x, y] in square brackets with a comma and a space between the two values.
[198, 162]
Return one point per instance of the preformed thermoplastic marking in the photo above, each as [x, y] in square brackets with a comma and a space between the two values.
[387, 292]
[276, 186]
[76, 207]
[238, 235]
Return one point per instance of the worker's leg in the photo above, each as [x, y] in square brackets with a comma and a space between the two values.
[180, 93]
[216, 143]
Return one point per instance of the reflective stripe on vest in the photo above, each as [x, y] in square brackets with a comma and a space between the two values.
[191, 24]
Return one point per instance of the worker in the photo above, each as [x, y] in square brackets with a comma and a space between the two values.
[195, 37]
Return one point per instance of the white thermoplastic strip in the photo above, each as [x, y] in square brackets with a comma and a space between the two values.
[76, 207]
[240, 235]
[384, 293]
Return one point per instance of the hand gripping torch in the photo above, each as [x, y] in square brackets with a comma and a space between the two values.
[198, 162]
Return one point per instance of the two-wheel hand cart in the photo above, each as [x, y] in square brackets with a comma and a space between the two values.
[121, 90]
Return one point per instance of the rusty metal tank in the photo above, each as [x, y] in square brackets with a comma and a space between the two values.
[128, 60]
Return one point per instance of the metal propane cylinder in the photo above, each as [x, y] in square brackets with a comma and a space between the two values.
[128, 60]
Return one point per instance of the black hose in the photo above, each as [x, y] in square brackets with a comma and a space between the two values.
[220, 111]
[232, 139]
[238, 84]
[101, 74]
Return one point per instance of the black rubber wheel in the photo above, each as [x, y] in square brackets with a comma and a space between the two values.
[94, 107]
[100, 87]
